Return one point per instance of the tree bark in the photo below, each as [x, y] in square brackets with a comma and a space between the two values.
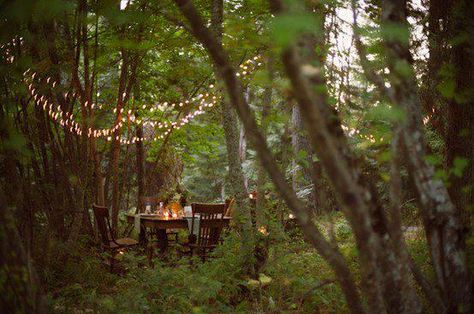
[266, 107]
[140, 169]
[442, 226]
[232, 137]
[230, 125]
[126, 83]
[460, 112]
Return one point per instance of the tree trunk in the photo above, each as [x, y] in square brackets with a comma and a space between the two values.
[443, 229]
[434, 106]
[266, 107]
[302, 158]
[236, 174]
[140, 169]
[232, 138]
[115, 154]
[460, 117]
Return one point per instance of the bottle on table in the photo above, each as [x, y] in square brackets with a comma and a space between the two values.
[160, 209]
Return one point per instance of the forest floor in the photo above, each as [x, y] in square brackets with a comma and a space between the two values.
[293, 279]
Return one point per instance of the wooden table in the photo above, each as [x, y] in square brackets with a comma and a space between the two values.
[160, 225]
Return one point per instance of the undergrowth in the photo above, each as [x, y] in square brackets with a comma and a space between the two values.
[293, 278]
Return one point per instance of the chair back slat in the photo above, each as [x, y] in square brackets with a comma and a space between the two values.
[211, 222]
[101, 215]
[229, 203]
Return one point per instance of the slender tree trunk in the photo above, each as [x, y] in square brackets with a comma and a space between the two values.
[232, 138]
[115, 154]
[115, 176]
[236, 174]
[443, 229]
[460, 112]
[266, 107]
[140, 168]
[433, 103]
[302, 160]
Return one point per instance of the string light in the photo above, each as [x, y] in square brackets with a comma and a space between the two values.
[246, 69]
[69, 123]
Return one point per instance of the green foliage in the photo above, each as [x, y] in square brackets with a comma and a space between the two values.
[385, 112]
[287, 28]
[396, 33]
[447, 88]
[177, 289]
[459, 165]
[16, 142]
[403, 69]
[343, 230]
[288, 281]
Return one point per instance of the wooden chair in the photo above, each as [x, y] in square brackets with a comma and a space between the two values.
[109, 242]
[229, 212]
[211, 224]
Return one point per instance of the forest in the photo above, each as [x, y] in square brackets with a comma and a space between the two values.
[236, 156]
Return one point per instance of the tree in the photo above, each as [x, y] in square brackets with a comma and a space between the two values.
[232, 136]
[382, 269]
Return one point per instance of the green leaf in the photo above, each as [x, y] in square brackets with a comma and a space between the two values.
[253, 284]
[16, 142]
[447, 88]
[385, 176]
[433, 160]
[441, 175]
[396, 33]
[302, 154]
[384, 156]
[287, 28]
[459, 165]
[384, 112]
[264, 279]
[403, 68]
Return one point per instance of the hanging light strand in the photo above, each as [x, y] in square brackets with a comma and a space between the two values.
[67, 120]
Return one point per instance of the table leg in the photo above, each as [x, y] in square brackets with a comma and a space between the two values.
[162, 239]
[142, 235]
